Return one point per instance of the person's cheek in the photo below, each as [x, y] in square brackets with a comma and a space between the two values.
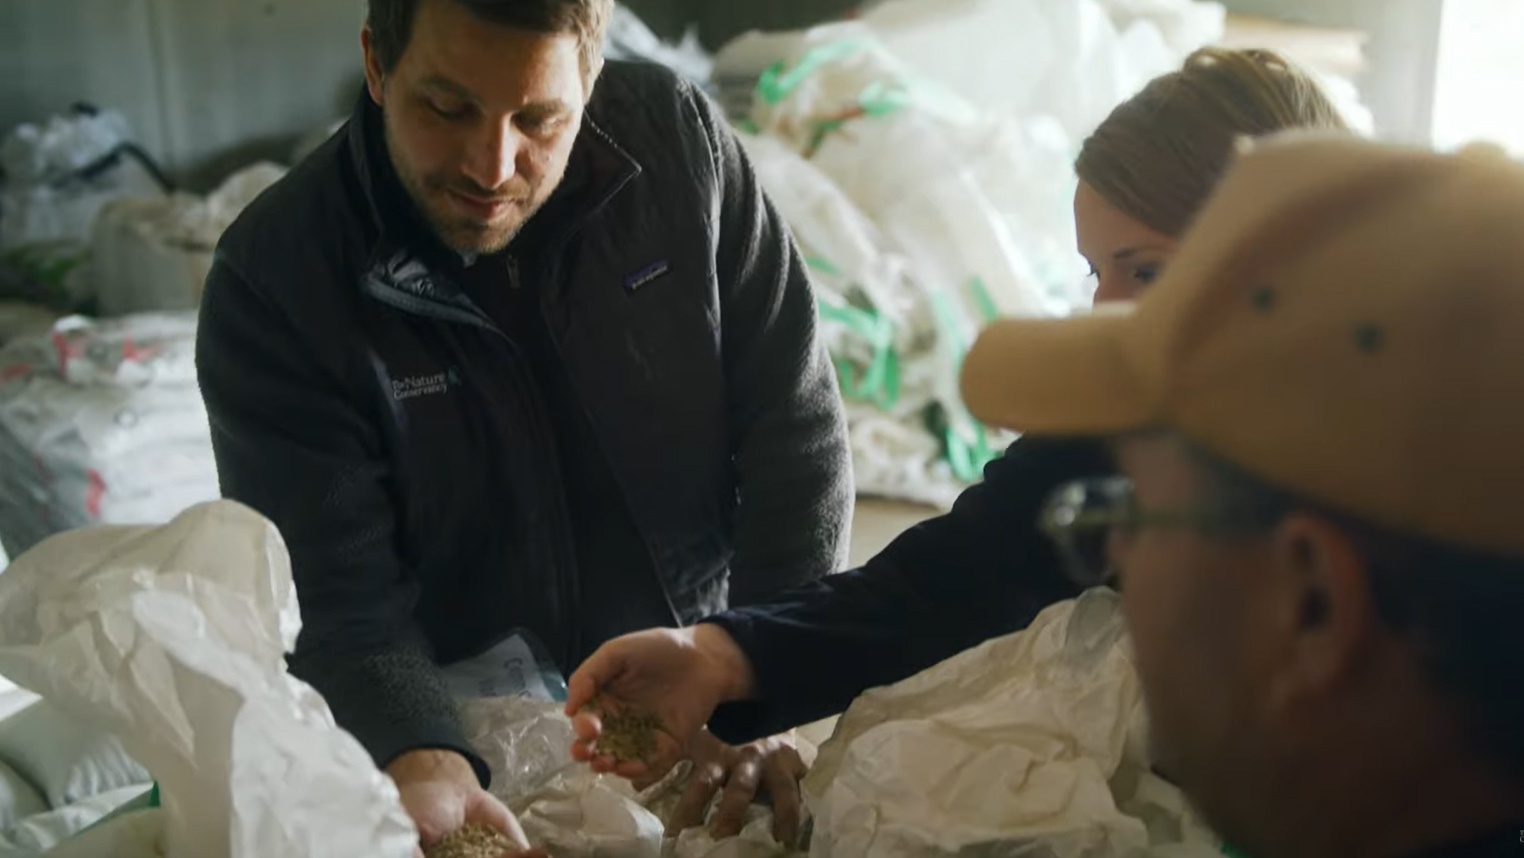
[1111, 286]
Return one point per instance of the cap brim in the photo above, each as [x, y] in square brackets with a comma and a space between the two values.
[1058, 376]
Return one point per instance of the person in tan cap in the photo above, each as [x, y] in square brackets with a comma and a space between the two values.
[1317, 412]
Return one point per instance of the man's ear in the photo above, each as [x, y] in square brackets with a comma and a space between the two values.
[1328, 609]
[375, 78]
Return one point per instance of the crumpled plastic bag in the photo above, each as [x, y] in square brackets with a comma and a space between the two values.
[48, 205]
[628, 38]
[174, 638]
[154, 253]
[1029, 745]
[571, 812]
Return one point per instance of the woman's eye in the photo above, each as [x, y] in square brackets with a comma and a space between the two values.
[1146, 273]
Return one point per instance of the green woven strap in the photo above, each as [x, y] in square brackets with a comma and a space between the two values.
[967, 456]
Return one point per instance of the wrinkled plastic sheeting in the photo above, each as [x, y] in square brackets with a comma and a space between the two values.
[855, 265]
[571, 812]
[1071, 59]
[174, 638]
[918, 160]
[629, 38]
[37, 154]
[1031, 744]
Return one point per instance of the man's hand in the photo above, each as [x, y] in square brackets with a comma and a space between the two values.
[772, 764]
[678, 675]
[440, 792]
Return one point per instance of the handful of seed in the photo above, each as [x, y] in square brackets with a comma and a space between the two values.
[629, 733]
[473, 841]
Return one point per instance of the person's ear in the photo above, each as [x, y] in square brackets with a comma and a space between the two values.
[1326, 607]
[375, 77]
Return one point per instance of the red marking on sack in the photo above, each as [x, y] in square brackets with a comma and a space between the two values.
[65, 350]
[131, 351]
[95, 493]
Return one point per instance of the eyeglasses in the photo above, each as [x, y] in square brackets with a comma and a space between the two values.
[1091, 520]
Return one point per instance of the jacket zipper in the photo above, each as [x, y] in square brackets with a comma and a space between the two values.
[661, 584]
[529, 395]
[571, 577]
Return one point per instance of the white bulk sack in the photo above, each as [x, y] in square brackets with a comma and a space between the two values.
[153, 253]
[174, 639]
[1031, 744]
[101, 423]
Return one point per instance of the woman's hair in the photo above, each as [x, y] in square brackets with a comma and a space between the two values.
[1158, 155]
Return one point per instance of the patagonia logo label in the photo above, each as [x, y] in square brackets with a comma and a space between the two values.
[415, 386]
[643, 277]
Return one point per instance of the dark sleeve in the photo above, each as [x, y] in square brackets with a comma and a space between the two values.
[983, 570]
[292, 443]
[785, 412]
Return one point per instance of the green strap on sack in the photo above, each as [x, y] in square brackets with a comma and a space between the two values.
[879, 98]
[967, 456]
[779, 80]
[880, 382]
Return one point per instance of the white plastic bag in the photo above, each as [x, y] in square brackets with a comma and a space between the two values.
[571, 812]
[174, 638]
[47, 211]
[1031, 744]
[629, 38]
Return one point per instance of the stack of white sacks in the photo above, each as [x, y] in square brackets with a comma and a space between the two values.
[923, 157]
[101, 422]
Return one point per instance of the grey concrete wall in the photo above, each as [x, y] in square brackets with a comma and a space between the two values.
[210, 84]
[207, 84]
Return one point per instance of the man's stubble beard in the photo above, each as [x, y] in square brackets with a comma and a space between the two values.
[458, 233]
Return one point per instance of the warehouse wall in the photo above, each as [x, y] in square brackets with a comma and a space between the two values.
[206, 83]
[1403, 52]
[209, 84]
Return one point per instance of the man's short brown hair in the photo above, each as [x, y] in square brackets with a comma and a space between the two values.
[391, 23]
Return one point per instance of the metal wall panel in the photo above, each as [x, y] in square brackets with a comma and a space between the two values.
[242, 78]
[56, 52]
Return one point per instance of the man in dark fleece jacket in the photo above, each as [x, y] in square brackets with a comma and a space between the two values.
[515, 351]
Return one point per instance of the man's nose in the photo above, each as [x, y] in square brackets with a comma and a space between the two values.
[492, 158]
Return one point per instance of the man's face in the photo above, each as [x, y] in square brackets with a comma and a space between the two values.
[480, 121]
[1205, 649]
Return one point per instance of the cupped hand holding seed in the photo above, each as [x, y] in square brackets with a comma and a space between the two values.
[626, 740]
[678, 676]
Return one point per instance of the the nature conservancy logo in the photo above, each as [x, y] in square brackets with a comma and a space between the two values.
[412, 387]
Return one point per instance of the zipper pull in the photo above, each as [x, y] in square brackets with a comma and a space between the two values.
[513, 272]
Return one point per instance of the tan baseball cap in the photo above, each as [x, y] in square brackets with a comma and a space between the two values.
[1344, 321]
